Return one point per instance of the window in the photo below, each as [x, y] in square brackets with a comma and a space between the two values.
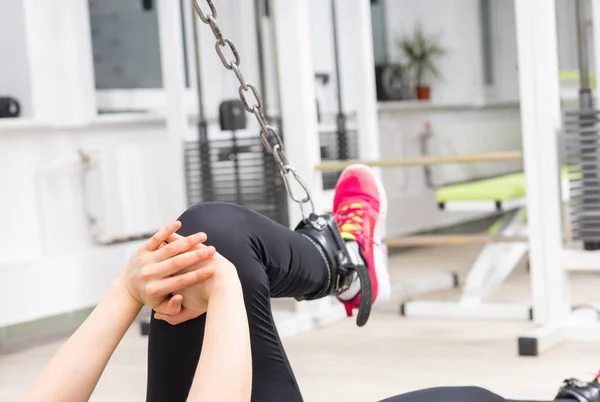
[378, 16]
[126, 47]
[15, 77]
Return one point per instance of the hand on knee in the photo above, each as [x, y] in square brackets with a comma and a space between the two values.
[155, 271]
[196, 297]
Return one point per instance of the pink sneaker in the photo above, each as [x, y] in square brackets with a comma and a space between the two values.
[360, 208]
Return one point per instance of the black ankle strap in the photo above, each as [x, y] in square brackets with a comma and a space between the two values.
[579, 391]
[366, 295]
[323, 232]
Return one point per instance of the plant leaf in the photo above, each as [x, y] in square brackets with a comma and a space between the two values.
[421, 53]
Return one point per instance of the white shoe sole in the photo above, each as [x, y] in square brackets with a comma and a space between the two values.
[380, 257]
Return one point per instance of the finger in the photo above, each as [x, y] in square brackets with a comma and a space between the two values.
[184, 316]
[176, 303]
[171, 239]
[170, 306]
[159, 237]
[178, 263]
[176, 283]
[174, 265]
[178, 246]
[174, 237]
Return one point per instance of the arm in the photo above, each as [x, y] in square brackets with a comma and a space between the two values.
[224, 371]
[75, 370]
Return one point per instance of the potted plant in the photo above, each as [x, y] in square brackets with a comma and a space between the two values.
[421, 53]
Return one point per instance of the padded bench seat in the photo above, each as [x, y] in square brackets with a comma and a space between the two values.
[499, 192]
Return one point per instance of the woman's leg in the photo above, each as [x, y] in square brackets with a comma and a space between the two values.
[272, 261]
[455, 394]
[317, 260]
[448, 394]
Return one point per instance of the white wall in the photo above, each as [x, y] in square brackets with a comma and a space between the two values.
[14, 70]
[49, 262]
[455, 131]
[456, 23]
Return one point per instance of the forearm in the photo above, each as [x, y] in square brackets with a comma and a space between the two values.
[224, 371]
[75, 370]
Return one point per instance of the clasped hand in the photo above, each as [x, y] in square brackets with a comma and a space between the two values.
[168, 267]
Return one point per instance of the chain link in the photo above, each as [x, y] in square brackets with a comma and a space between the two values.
[268, 135]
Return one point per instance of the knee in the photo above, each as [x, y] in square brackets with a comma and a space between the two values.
[449, 394]
[227, 228]
[220, 221]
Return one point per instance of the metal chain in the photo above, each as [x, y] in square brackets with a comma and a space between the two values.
[268, 135]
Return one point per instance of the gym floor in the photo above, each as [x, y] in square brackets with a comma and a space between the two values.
[391, 355]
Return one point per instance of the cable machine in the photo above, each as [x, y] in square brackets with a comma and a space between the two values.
[233, 167]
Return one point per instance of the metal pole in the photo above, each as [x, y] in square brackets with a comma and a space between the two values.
[342, 134]
[336, 49]
[283, 216]
[201, 116]
[259, 11]
[586, 100]
[596, 38]
[203, 143]
[486, 42]
[589, 155]
[582, 44]
[275, 63]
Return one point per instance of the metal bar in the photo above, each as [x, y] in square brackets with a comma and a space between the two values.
[201, 115]
[341, 122]
[582, 43]
[451, 240]
[334, 166]
[206, 176]
[485, 20]
[586, 120]
[336, 50]
[275, 63]
[259, 11]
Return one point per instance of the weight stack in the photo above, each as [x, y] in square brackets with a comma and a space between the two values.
[581, 145]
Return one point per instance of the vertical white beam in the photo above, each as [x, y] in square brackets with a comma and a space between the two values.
[541, 121]
[358, 72]
[59, 49]
[173, 72]
[359, 68]
[297, 91]
[596, 30]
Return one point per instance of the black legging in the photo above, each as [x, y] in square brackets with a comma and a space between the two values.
[272, 261]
